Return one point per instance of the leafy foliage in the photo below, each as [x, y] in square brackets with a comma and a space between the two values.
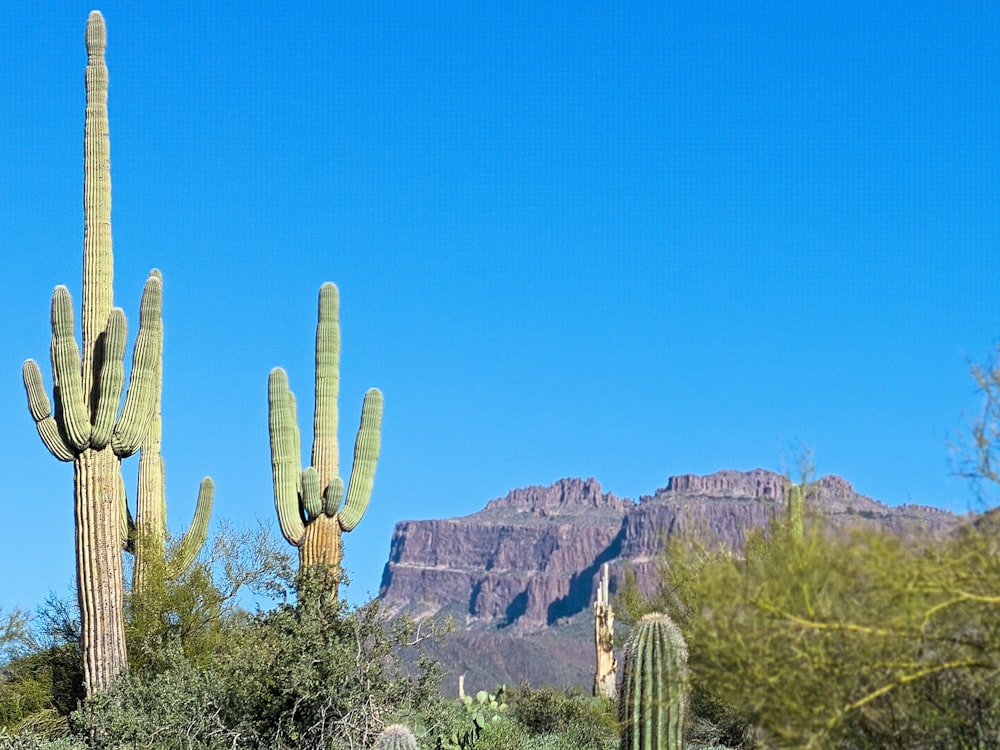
[309, 675]
[853, 638]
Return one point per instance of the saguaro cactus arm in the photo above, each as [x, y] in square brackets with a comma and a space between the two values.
[74, 427]
[66, 372]
[41, 412]
[140, 400]
[367, 447]
[286, 461]
[192, 541]
[112, 379]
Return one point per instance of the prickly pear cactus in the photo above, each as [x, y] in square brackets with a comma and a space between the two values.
[396, 737]
[654, 691]
[308, 501]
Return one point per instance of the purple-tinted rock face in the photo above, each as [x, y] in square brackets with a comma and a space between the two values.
[532, 558]
[527, 558]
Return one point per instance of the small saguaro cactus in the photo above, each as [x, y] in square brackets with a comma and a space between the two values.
[793, 495]
[308, 501]
[653, 701]
[396, 737]
[151, 503]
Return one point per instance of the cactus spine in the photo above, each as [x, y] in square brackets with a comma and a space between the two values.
[396, 737]
[86, 427]
[308, 501]
[151, 504]
[605, 676]
[654, 687]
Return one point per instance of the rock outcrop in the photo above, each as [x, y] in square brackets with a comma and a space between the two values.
[529, 561]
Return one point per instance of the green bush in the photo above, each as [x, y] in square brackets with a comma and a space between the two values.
[42, 676]
[566, 717]
[505, 733]
[311, 675]
[852, 638]
[28, 741]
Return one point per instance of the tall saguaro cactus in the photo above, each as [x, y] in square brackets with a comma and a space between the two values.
[653, 702]
[308, 501]
[151, 504]
[87, 427]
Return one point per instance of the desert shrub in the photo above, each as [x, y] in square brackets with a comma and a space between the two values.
[716, 723]
[29, 741]
[42, 676]
[195, 610]
[846, 638]
[315, 674]
[566, 717]
[176, 707]
[505, 733]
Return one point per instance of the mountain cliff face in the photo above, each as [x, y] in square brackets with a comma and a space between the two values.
[529, 561]
[524, 560]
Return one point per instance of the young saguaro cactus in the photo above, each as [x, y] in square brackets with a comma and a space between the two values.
[151, 504]
[308, 501]
[653, 697]
[795, 504]
[87, 427]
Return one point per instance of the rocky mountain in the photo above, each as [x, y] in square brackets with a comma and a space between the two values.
[518, 577]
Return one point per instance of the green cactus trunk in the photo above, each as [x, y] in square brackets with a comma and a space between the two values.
[653, 702]
[151, 506]
[308, 501]
[86, 426]
[99, 575]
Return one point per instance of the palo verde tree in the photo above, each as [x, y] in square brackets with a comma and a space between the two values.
[830, 636]
[308, 501]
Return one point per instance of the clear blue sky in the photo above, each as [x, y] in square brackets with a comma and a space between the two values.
[620, 240]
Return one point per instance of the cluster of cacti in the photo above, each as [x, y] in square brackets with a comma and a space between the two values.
[151, 503]
[396, 737]
[654, 692]
[606, 673]
[308, 501]
[88, 428]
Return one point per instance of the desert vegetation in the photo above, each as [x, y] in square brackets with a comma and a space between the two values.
[807, 636]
